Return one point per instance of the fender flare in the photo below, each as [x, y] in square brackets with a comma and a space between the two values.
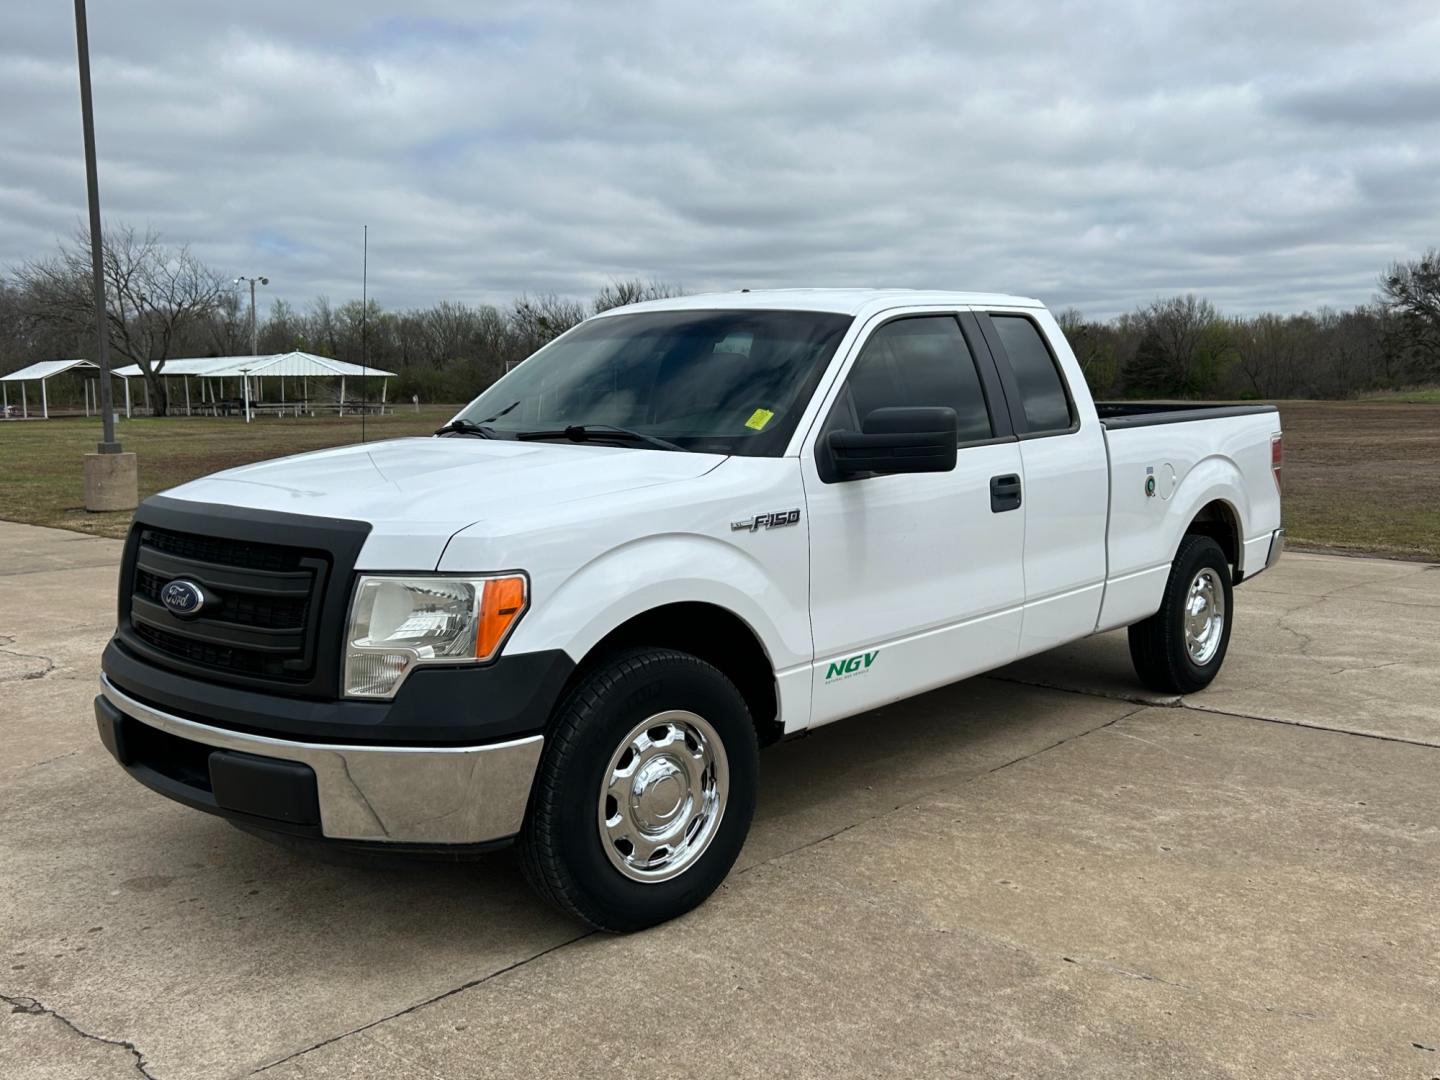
[1213, 479]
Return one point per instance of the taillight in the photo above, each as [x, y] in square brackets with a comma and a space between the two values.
[1277, 457]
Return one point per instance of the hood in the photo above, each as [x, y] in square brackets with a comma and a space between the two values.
[417, 493]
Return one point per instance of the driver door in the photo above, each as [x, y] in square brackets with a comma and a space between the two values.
[915, 580]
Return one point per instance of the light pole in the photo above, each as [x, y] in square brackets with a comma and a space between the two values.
[110, 474]
[254, 348]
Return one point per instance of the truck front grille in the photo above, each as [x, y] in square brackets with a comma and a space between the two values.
[263, 600]
[281, 613]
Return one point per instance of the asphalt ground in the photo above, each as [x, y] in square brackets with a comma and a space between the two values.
[1042, 872]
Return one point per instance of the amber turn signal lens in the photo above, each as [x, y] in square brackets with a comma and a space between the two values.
[500, 605]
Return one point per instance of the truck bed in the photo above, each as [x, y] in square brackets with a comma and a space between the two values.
[1131, 414]
[1195, 455]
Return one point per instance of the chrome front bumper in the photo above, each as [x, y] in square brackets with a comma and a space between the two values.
[394, 794]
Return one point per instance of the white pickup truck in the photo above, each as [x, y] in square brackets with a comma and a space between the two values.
[679, 532]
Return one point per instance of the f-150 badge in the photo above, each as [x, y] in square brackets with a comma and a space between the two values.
[777, 520]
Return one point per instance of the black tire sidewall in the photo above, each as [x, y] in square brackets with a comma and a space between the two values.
[673, 681]
[1200, 553]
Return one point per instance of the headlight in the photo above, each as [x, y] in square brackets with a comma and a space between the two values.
[399, 622]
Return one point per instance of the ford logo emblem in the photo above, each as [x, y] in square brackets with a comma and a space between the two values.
[183, 598]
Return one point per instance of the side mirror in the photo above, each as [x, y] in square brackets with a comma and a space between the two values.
[900, 440]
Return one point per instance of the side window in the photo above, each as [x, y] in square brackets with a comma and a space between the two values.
[919, 361]
[1041, 391]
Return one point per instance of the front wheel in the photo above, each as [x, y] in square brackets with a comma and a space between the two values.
[1180, 648]
[645, 791]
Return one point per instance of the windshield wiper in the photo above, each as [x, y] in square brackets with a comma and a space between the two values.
[502, 412]
[467, 427]
[601, 432]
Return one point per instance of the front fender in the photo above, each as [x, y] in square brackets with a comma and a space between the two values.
[635, 577]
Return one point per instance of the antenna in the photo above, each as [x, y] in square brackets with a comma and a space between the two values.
[364, 325]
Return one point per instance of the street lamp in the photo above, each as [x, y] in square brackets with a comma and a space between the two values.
[110, 475]
[254, 349]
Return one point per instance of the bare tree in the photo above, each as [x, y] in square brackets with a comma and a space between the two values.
[283, 330]
[632, 291]
[154, 295]
[1267, 354]
[1181, 346]
[321, 323]
[1412, 291]
[1095, 347]
[449, 330]
[228, 327]
[540, 319]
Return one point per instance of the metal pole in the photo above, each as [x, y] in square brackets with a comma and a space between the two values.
[44, 401]
[254, 348]
[108, 445]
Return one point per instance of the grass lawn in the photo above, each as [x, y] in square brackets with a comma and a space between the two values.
[41, 482]
[1359, 476]
[1425, 395]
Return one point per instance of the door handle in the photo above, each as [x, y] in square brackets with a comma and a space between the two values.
[1004, 493]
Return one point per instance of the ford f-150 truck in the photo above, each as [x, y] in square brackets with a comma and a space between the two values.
[680, 531]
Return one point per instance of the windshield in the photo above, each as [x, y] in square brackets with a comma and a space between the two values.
[726, 382]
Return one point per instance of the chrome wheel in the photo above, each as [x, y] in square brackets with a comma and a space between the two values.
[663, 795]
[1204, 616]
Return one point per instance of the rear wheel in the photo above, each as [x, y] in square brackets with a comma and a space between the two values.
[645, 791]
[1180, 648]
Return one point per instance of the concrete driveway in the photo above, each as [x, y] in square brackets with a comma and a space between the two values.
[1039, 873]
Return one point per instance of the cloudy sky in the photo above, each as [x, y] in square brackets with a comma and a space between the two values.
[1268, 154]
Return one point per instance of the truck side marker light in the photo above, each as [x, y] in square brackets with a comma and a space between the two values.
[500, 605]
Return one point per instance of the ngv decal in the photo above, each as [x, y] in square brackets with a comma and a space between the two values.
[776, 520]
[851, 665]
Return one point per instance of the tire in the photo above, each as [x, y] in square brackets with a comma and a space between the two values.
[680, 721]
[1167, 659]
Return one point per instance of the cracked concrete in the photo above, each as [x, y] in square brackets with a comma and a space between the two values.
[28, 1006]
[418, 1005]
[1048, 872]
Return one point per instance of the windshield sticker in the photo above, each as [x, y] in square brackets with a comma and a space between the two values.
[759, 418]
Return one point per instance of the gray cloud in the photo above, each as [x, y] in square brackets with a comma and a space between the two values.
[1271, 155]
[1386, 102]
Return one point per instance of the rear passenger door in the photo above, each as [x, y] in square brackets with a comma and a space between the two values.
[915, 580]
[1065, 474]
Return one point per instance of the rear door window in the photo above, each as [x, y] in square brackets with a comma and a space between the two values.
[1042, 392]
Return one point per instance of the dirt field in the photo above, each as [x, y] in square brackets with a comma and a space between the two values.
[1363, 477]
[1359, 476]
